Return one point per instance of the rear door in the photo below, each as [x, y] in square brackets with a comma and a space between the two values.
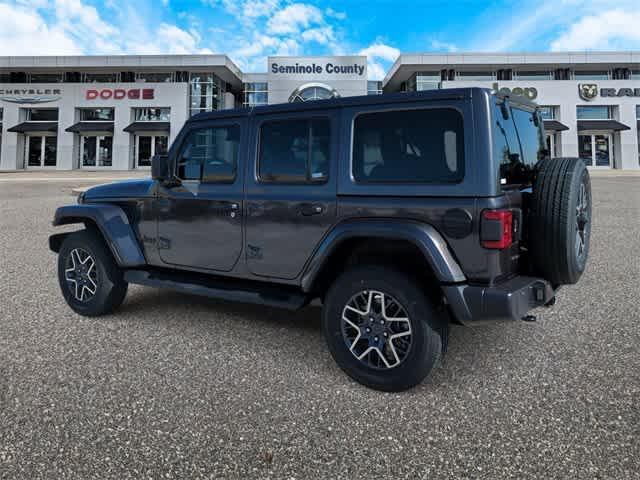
[291, 190]
[199, 218]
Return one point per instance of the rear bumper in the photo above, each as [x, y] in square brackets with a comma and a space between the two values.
[510, 300]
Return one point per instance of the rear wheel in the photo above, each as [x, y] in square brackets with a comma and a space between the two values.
[381, 328]
[90, 280]
[561, 220]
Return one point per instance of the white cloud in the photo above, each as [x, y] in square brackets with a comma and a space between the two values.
[25, 32]
[443, 46]
[335, 14]
[379, 56]
[293, 18]
[614, 29]
[321, 35]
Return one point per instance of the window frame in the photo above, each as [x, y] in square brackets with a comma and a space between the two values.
[307, 180]
[185, 138]
[410, 183]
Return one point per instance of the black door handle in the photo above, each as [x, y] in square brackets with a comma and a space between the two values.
[308, 209]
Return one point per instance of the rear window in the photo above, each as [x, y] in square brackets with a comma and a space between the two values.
[518, 143]
[409, 146]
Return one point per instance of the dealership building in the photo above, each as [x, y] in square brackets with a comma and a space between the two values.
[116, 112]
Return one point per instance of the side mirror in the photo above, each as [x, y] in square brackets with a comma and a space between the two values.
[160, 167]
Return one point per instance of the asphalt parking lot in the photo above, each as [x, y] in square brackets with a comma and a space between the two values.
[174, 386]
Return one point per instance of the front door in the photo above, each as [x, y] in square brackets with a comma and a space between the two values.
[596, 150]
[291, 190]
[148, 145]
[199, 215]
[41, 151]
[96, 151]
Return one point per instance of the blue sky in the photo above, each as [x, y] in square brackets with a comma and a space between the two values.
[249, 31]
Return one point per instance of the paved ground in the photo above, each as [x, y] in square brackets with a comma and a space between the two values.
[184, 387]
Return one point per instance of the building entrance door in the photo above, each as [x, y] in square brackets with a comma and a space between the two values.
[149, 145]
[96, 151]
[596, 149]
[41, 151]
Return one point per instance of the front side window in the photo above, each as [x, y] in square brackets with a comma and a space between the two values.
[294, 151]
[409, 146]
[210, 155]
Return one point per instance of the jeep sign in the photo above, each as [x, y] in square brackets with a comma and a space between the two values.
[528, 92]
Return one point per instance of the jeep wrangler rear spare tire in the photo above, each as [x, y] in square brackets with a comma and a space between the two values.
[381, 328]
[560, 220]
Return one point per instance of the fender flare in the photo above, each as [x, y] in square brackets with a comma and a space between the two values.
[422, 235]
[113, 225]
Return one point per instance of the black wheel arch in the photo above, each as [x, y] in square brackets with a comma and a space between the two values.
[110, 222]
[352, 238]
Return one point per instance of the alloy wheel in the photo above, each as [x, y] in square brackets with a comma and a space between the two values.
[81, 275]
[376, 329]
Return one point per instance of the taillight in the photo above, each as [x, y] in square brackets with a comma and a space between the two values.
[496, 230]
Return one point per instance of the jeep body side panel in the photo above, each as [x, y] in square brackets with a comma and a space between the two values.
[200, 223]
[284, 222]
[114, 226]
[424, 236]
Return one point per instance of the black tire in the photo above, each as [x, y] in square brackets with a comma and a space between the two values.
[556, 224]
[110, 287]
[426, 325]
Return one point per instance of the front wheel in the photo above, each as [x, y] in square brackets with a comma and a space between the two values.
[381, 328]
[90, 280]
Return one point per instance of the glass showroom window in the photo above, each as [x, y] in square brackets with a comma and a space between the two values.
[45, 77]
[548, 112]
[594, 112]
[255, 94]
[313, 91]
[476, 76]
[374, 87]
[534, 75]
[106, 77]
[155, 77]
[152, 114]
[42, 114]
[206, 92]
[591, 75]
[424, 81]
[96, 114]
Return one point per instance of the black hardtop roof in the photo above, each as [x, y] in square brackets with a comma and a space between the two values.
[400, 97]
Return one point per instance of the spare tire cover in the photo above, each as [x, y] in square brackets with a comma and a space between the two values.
[560, 224]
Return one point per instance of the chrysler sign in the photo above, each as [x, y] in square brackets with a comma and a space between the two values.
[30, 95]
[120, 94]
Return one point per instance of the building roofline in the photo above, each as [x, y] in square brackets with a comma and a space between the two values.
[510, 58]
[219, 61]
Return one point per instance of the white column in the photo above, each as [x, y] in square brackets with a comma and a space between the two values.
[628, 158]
[11, 155]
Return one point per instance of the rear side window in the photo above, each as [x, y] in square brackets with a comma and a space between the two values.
[518, 144]
[409, 146]
[294, 151]
[210, 155]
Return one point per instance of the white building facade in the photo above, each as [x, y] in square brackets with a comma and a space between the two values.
[116, 112]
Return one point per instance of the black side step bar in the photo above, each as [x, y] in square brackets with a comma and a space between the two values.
[224, 289]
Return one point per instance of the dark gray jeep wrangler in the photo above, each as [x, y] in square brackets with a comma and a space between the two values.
[399, 212]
